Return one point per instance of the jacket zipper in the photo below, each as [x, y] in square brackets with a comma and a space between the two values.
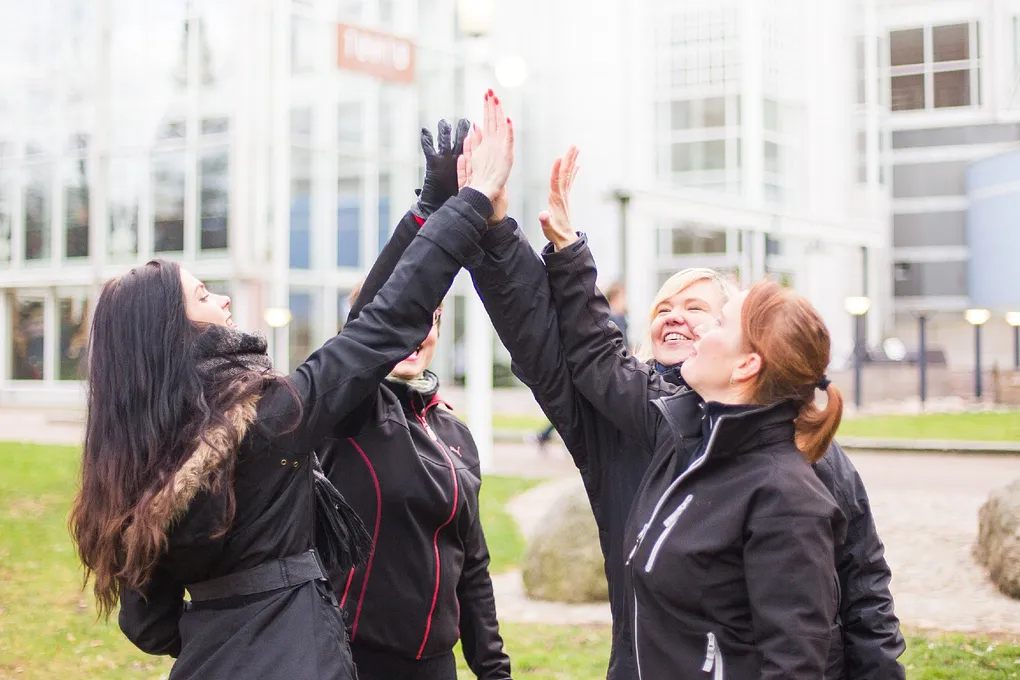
[658, 506]
[667, 528]
[676, 482]
[637, 652]
[435, 539]
[713, 659]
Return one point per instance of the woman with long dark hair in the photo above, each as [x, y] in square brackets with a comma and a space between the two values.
[198, 472]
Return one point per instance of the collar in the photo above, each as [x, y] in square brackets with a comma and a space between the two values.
[416, 395]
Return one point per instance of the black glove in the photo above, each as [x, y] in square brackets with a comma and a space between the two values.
[440, 166]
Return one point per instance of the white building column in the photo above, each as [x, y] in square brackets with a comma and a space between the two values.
[751, 93]
[478, 328]
[279, 173]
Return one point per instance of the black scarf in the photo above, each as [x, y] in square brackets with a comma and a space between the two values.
[341, 538]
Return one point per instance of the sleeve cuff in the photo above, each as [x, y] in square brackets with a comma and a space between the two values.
[478, 201]
[561, 258]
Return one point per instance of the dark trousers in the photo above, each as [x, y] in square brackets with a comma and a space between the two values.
[374, 664]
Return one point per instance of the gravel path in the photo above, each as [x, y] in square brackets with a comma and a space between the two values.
[926, 510]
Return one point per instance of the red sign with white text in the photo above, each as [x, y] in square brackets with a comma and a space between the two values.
[381, 55]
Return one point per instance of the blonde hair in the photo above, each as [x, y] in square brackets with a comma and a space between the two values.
[676, 284]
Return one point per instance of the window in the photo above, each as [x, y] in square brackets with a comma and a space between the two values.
[168, 201]
[214, 199]
[907, 92]
[302, 44]
[74, 331]
[915, 279]
[920, 180]
[771, 151]
[37, 211]
[688, 156]
[349, 130]
[906, 48]
[694, 239]
[76, 208]
[343, 307]
[934, 67]
[6, 213]
[930, 229]
[348, 222]
[124, 190]
[300, 208]
[300, 328]
[28, 326]
[385, 228]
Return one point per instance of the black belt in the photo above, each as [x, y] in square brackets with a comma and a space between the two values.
[285, 572]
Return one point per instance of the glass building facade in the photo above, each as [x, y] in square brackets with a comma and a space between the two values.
[218, 133]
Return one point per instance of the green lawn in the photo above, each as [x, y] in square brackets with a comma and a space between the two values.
[961, 426]
[48, 629]
[516, 421]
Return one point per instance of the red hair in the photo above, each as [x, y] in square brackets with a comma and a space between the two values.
[793, 342]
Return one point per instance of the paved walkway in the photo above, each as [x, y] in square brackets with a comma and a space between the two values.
[926, 510]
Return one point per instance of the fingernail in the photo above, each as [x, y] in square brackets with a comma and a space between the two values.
[496, 99]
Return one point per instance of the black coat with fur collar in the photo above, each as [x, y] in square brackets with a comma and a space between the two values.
[296, 632]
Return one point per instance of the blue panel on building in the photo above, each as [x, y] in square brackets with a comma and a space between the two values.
[993, 232]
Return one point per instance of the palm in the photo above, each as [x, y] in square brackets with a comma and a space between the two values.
[556, 221]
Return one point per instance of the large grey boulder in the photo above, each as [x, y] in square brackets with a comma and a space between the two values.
[998, 546]
[563, 561]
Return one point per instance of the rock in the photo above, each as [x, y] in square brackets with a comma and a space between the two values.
[563, 561]
[998, 546]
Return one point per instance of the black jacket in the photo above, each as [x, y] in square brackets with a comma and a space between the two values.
[296, 632]
[513, 283]
[410, 468]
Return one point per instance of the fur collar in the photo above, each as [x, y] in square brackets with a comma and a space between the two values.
[217, 448]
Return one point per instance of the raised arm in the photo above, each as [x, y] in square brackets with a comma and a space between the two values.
[346, 369]
[617, 384]
[439, 185]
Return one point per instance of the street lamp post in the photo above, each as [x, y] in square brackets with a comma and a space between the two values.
[922, 354]
[977, 318]
[278, 318]
[1013, 319]
[623, 198]
[858, 306]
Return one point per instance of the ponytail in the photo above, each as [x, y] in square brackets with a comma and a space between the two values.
[816, 427]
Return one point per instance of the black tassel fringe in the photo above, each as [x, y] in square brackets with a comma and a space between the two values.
[341, 538]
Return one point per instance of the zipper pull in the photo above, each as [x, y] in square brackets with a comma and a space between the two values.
[637, 544]
[671, 520]
[709, 654]
[428, 430]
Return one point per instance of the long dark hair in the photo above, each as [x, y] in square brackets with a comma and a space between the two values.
[148, 408]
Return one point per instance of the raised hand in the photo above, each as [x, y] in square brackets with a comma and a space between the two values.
[441, 165]
[501, 202]
[556, 220]
[493, 157]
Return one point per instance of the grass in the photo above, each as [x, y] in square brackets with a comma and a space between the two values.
[48, 629]
[506, 545]
[518, 422]
[997, 426]
[1004, 426]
